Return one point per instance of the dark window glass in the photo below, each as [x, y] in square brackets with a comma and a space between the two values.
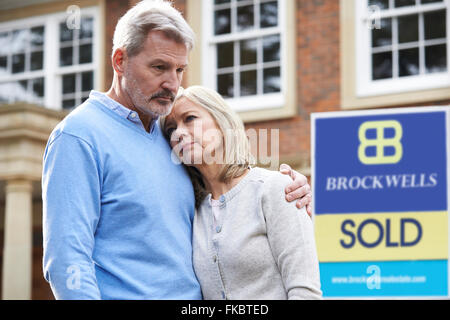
[66, 56]
[225, 84]
[68, 83]
[248, 83]
[272, 80]
[87, 81]
[269, 14]
[222, 21]
[86, 53]
[409, 62]
[86, 28]
[65, 34]
[37, 36]
[436, 58]
[225, 55]
[434, 24]
[245, 19]
[68, 104]
[408, 28]
[18, 63]
[404, 3]
[382, 36]
[248, 52]
[382, 4]
[37, 60]
[382, 65]
[221, 1]
[38, 87]
[430, 1]
[3, 65]
[271, 48]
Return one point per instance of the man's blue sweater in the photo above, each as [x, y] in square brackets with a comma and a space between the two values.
[117, 211]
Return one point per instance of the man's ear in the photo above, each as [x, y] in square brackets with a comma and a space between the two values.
[119, 60]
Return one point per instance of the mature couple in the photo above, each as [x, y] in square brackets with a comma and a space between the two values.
[122, 220]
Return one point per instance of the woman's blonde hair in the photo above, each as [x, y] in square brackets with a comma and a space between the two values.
[237, 156]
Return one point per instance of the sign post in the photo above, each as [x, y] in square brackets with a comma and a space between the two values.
[381, 202]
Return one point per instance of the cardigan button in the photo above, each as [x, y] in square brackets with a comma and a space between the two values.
[215, 259]
[218, 229]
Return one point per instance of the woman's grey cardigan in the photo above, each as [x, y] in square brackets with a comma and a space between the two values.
[262, 248]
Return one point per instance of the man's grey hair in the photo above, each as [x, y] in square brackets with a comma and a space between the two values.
[151, 15]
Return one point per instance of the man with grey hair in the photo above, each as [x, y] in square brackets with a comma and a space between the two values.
[117, 211]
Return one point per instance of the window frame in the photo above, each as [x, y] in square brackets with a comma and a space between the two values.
[52, 72]
[365, 86]
[209, 43]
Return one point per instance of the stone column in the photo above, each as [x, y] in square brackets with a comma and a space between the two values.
[17, 252]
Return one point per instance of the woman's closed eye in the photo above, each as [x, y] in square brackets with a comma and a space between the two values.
[189, 118]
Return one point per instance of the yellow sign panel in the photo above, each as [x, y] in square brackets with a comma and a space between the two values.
[382, 236]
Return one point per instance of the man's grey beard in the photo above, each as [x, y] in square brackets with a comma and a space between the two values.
[144, 104]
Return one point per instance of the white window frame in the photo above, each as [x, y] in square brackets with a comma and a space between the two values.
[52, 71]
[365, 86]
[209, 41]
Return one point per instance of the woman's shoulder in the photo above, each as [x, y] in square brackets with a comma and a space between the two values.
[270, 177]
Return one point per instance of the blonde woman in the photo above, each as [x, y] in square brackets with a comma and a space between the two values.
[248, 241]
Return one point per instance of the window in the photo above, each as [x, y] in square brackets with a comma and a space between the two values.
[45, 62]
[245, 50]
[402, 45]
[22, 61]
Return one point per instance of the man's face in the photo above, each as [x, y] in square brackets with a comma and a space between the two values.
[151, 78]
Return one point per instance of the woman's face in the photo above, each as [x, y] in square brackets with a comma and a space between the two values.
[194, 134]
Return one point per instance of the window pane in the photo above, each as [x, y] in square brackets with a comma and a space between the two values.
[68, 83]
[37, 60]
[65, 34]
[248, 52]
[3, 66]
[430, 1]
[222, 21]
[434, 24]
[382, 65]
[382, 4]
[38, 87]
[225, 84]
[272, 80]
[245, 19]
[404, 3]
[225, 55]
[66, 56]
[20, 40]
[5, 91]
[409, 62]
[20, 91]
[408, 28]
[68, 104]
[271, 48]
[4, 43]
[87, 81]
[37, 36]
[221, 1]
[18, 63]
[86, 27]
[248, 83]
[436, 58]
[382, 36]
[86, 53]
[269, 14]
